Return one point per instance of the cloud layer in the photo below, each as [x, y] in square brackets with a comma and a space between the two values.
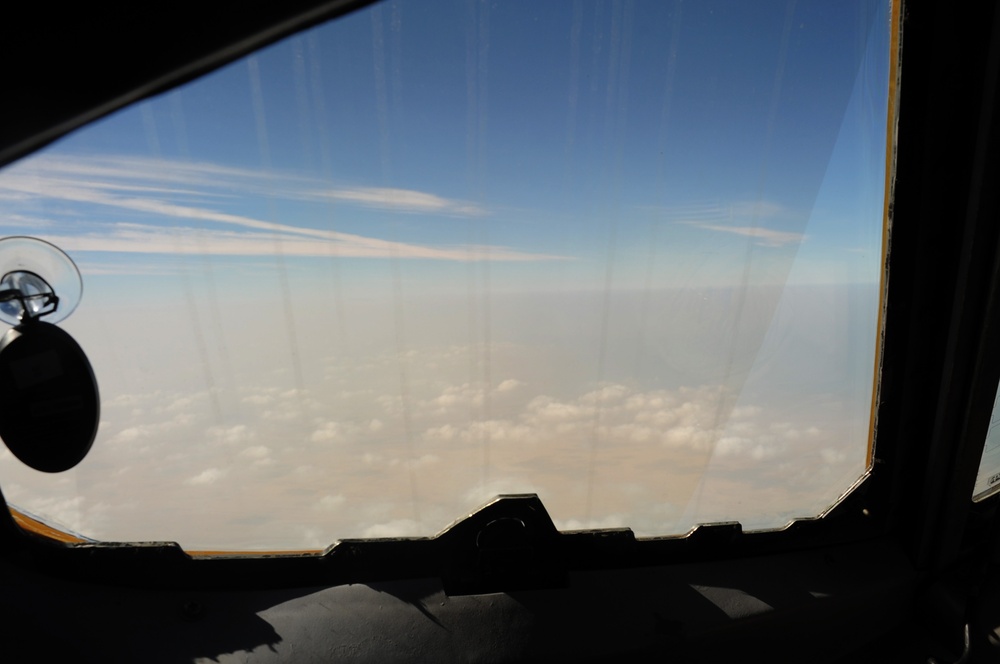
[272, 466]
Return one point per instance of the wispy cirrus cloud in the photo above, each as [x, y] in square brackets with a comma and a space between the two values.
[719, 211]
[177, 207]
[758, 209]
[11, 220]
[402, 200]
[71, 176]
[764, 237]
[148, 239]
[743, 218]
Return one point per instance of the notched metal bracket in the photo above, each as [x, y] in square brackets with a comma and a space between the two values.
[510, 544]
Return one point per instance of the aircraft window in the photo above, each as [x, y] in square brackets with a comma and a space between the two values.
[627, 256]
[988, 479]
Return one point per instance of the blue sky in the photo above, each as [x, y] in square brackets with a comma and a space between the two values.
[564, 124]
[598, 206]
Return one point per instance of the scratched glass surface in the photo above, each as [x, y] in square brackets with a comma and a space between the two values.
[623, 255]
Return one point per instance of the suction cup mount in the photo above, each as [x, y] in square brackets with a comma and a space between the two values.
[51, 407]
[39, 279]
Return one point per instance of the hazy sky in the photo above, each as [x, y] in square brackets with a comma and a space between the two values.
[624, 255]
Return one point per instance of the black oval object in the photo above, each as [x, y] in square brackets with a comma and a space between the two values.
[49, 404]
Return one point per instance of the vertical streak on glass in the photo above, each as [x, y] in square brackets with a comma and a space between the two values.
[319, 112]
[662, 143]
[471, 263]
[149, 125]
[613, 58]
[215, 314]
[608, 277]
[473, 345]
[483, 90]
[727, 399]
[396, 35]
[470, 266]
[772, 114]
[382, 110]
[596, 48]
[615, 120]
[302, 100]
[153, 142]
[381, 91]
[574, 89]
[265, 158]
[487, 355]
[480, 353]
[208, 272]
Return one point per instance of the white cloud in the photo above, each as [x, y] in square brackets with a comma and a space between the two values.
[715, 211]
[139, 186]
[509, 385]
[126, 400]
[545, 409]
[285, 414]
[405, 200]
[123, 167]
[328, 502]
[207, 477]
[746, 411]
[738, 218]
[60, 510]
[130, 434]
[147, 431]
[444, 433]
[605, 395]
[392, 404]
[256, 452]
[206, 180]
[150, 239]
[459, 396]
[181, 403]
[691, 437]
[414, 464]
[481, 494]
[701, 420]
[328, 431]
[423, 461]
[758, 209]
[831, 456]
[758, 450]
[764, 237]
[609, 521]
[394, 528]
[237, 433]
[21, 220]
[479, 430]
[92, 268]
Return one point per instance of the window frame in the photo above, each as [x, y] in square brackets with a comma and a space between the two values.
[942, 303]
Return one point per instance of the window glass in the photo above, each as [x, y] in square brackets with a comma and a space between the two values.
[625, 255]
[988, 479]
